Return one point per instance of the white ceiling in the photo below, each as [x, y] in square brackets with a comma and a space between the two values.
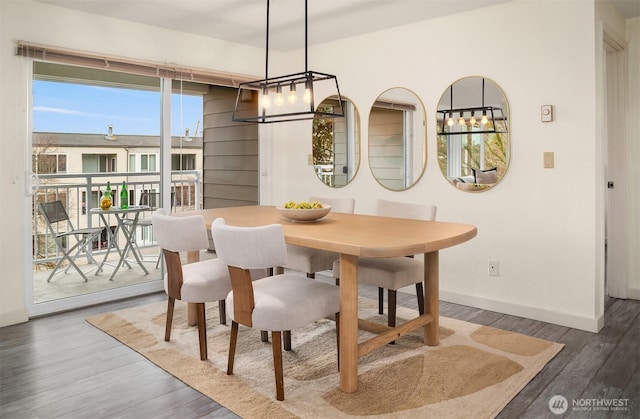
[243, 21]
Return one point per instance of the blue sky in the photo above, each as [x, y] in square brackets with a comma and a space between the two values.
[77, 108]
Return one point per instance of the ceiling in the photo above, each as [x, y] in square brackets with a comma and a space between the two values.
[244, 21]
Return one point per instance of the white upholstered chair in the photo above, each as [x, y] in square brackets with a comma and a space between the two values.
[277, 303]
[198, 282]
[304, 259]
[394, 273]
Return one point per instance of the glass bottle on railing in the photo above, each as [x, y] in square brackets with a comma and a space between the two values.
[124, 196]
[107, 200]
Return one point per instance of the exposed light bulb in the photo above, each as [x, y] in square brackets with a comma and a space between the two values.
[308, 85]
[266, 101]
[293, 96]
[279, 99]
[484, 119]
[450, 120]
[472, 121]
[461, 121]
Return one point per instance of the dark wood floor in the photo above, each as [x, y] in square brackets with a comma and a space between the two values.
[59, 366]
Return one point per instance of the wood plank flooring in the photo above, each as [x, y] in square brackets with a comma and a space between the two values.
[59, 366]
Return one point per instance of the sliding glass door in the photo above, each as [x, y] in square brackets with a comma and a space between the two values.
[93, 131]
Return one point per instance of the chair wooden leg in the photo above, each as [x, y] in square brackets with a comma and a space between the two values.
[233, 338]
[222, 311]
[286, 338]
[276, 346]
[380, 300]
[167, 331]
[391, 308]
[420, 294]
[338, 337]
[202, 330]
[264, 336]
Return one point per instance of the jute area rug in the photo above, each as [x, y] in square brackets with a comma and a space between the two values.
[473, 373]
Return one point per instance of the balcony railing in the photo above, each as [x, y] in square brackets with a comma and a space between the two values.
[81, 192]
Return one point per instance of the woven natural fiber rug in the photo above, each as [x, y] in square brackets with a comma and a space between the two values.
[473, 373]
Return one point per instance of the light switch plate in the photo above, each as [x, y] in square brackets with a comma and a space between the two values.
[546, 113]
[548, 160]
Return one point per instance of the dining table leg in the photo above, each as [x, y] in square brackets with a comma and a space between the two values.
[348, 323]
[192, 318]
[432, 298]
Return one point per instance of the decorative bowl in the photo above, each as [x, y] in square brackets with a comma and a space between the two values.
[304, 215]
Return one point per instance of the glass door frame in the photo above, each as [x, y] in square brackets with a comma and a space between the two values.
[83, 300]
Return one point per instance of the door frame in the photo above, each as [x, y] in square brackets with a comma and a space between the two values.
[613, 73]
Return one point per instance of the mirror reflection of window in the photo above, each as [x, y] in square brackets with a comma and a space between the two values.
[336, 144]
[397, 152]
[473, 134]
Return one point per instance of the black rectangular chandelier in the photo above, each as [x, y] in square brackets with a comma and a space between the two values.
[286, 98]
[459, 121]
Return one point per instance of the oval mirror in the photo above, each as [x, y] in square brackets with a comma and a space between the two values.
[473, 134]
[335, 143]
[397, 140]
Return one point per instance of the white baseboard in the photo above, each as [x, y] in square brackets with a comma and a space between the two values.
[634, 293]
[562, 319]
[13, 317]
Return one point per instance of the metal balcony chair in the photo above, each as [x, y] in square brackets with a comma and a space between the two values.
[394, 273]
[62, 230]
[277, 303]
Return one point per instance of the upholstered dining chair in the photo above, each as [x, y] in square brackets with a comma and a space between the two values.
[198, 282]
[304, 259]
[394, 273]
[277, 303]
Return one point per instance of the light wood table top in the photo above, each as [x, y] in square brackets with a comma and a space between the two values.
[353, 236]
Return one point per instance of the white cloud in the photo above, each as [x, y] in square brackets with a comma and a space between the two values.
[63, 111]
[49, 109]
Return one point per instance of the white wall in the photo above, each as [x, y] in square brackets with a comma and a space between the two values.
[545, 226]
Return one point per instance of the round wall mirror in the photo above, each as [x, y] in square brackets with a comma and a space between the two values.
[397, 139]
[474, 147]
[335, 143]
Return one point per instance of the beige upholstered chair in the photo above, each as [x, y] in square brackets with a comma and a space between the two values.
[394, 273]
[198, 282]
[303, 259]
[277, 303]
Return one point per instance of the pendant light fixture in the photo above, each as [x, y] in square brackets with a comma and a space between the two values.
[492, 120]
[301, 91]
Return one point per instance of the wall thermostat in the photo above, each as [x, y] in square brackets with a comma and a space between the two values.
[546, 113]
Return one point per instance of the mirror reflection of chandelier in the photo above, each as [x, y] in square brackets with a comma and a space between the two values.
[478, 120]
[287, 98]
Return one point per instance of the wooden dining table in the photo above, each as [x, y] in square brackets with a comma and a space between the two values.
[353, 236]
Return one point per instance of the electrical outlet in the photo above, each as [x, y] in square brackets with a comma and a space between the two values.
[493, 267]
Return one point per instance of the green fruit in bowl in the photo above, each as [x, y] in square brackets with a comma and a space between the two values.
[302, 205]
